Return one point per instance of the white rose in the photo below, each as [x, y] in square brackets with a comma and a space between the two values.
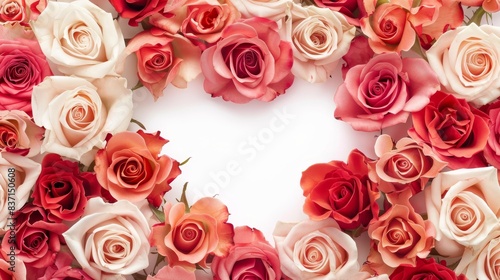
[320, 37]
[316, 249]
[110, 239]
[481, 262]
[271, 9]
[467, 62]
[77, 114]
[18, 175]
[79, 38]
[463, 206]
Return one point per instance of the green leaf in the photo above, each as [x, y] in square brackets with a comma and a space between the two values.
[159, 214]
[137, 86]
[138, 123]
[185, 161]
[477, 16]
[184, 198]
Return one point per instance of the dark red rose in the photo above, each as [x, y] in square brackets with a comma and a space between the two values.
[492, 149]
[349, 8]
[136, 11]
[341, 191]
[62, 189]
[457, 132]
[35, 238]
[427, 269]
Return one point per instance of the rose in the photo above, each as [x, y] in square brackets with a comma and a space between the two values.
[62, 189]
[480, 261]
[488, 6]
[341, 191]
[18, 174]
[320, 37]
[249, 62]
[271, 9]
[359, 53]
[404, 163]
[22, 66]
[9, 263]
[187, 239]
[467, 62]
[400, 234]
[19, 134]
[130, 167]
[316, 249]
[251, 255]
[61, 270]
[34, 239]
[346, 7]
[173, 273]
[138, 11]
[382, 92]
[456, 132]
[492, 149]
[79, 38]
[462, 204]
[12, 11]
[426, 269]
[78, 114]
[110, 239]
[162, 59]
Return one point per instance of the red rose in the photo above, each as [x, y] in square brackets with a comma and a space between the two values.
[62, 189]
[492, 149]
[457, 132]
[426, 269]
[349, 8]
[137, 11]
[341, 191]
[36, 239]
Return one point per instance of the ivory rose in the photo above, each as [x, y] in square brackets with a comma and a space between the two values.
[320, 37]
[462, 204]
[130, 167]
[481, 261]
[316, 250]
[467, 61]
[78, 115]
[384, 91]
[110, 239]
[272, 9]
[187, 239]
[18, 174]
[79, 38]
[249, 62]
[251, 256]
[22, 66]
[19, 134]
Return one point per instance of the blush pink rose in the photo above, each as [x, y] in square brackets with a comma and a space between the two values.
[19, 134]
[130, 167]
[251, 256]
[173, 273]
[20, 11]
[22, 66]
[189, 238]
[384, 91]
[250, 62]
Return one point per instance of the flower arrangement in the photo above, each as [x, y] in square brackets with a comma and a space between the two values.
[83, 196]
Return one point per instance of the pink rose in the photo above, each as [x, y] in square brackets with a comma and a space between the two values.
[162, 59]
[189, 238]
[359, 53]
[173, 273]
[22, 66]
[61, 269]
[251, 256]
[384, 91]
[19, 134]
[11, 267]
[20, 11]
[250, 62]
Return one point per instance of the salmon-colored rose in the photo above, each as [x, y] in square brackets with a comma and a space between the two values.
[251, 256]
[173, 273]
[448, 15]
[130, 167]
[342, 191]
[404, 163]
[456, 131]
[19, 134]
[189, 238]
[249, 62]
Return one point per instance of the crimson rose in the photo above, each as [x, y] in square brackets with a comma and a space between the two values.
[426, 269]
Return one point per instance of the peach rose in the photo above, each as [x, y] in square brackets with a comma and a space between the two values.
[481, 261]
[467, 61]
[173, 273]
[110, 239]
[404, 163]
[19, 134]
[401, 235]
[251, 256]
[316, 250]
[189, 238]
[130, 167]
[320, 37]
[78, 114]
[272, 9]
[448, 15]
[463, 206]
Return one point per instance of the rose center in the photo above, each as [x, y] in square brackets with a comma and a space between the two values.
[10, 10]
[187, 236]
[209, 18]
[463, 216]
[478, 63]
[160, 61]
[8, 138]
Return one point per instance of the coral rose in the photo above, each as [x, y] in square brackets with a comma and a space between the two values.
[173, 273]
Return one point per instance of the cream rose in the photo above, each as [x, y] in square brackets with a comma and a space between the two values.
[463, 206]
[320, 37]
[316, 249]
[79, 38]
[110, 239]
[467, 62]
[77, 114]
[18, 174]
[271, 9]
